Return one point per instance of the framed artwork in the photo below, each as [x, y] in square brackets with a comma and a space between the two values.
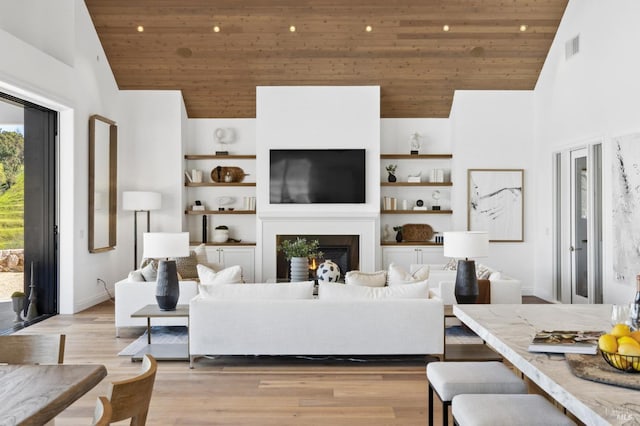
[496, 203]
[626, 205]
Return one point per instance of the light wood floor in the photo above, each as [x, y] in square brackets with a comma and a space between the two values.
[246, 391]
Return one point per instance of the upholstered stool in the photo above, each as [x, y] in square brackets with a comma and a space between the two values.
[449, 379]
[506, 410]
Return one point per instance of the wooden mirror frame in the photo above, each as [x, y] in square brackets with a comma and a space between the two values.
[103, 149]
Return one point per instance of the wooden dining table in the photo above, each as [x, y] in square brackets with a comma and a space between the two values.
[510, 328]
[35, 394]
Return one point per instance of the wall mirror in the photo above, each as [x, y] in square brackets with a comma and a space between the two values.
[103, 144]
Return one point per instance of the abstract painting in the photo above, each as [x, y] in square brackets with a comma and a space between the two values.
[626, 206]
[496, 203]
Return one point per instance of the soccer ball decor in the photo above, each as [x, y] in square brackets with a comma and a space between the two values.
[328, 271]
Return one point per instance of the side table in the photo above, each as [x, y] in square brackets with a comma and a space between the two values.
[162, 351]
[466, 351]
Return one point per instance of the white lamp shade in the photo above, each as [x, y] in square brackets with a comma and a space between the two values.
[165, 244]
[141, 200]
[469, 244]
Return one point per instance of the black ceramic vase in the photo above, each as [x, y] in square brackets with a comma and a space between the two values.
[391, 178]
[466, 289]
[167, 288]
[399, 236]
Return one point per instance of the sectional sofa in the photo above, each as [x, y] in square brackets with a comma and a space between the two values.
[286, 319]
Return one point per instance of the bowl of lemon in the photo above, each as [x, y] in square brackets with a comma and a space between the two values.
[621, 348]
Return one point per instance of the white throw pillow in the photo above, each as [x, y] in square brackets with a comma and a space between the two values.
[495, 275]
[136, 276]
[482, 272]
[451, 265]
[398, 276]
[333, 291]
[299, 290]
[230, 275]
[367, 279]
[150, 271]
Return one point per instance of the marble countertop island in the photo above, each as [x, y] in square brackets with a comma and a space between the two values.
[510, 328]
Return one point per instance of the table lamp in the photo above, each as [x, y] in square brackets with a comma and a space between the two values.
[140, 201]
[165, 245]
[469, 244]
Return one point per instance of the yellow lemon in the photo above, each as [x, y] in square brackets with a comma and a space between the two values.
[634, 351]
[628, 340]
[608, 343]
[636, 335]
[620, 330]
[629, 349]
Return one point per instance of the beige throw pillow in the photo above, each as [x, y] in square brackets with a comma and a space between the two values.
[187, 265]
[367, 279]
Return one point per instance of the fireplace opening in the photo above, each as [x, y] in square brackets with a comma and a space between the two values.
[344, 250]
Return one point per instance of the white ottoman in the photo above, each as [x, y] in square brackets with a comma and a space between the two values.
[506, 410]
[449, 379]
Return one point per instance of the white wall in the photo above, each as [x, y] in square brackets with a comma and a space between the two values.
[151, 156]
[47, 25]
[591, 97]
[76, 92]
[150, 135]
[318, 117]
[494, 130]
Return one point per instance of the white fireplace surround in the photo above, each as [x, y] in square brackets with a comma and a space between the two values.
[313, 117]
[269, 228]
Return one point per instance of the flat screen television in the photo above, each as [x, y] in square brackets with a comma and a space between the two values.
[310, 176]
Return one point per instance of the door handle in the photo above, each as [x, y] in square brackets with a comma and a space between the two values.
[572, 248]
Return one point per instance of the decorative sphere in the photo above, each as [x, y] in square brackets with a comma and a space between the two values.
[328, 271]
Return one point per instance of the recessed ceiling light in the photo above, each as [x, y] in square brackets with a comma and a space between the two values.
[216, 29]
[292, 28]
[368, 28]
[140, 28]
[445, 28]
[523, 28]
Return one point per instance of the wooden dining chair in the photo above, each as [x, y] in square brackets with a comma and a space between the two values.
[130, 398]
[32, 348]
[103, 412]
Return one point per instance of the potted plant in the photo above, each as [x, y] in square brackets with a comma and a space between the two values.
[298, 252]
[391, 169]
[18, 299]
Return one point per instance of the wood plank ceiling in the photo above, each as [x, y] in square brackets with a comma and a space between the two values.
[417, 64]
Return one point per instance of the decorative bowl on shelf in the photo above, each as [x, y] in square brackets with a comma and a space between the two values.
[626, 363]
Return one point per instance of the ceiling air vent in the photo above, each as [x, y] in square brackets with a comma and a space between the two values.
[572, 47]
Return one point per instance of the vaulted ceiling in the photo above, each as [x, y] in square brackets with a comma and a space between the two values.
[217, 51]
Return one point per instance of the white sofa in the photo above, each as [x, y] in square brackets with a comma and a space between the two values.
[133, 295]
[442, 284]
[315, 326]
